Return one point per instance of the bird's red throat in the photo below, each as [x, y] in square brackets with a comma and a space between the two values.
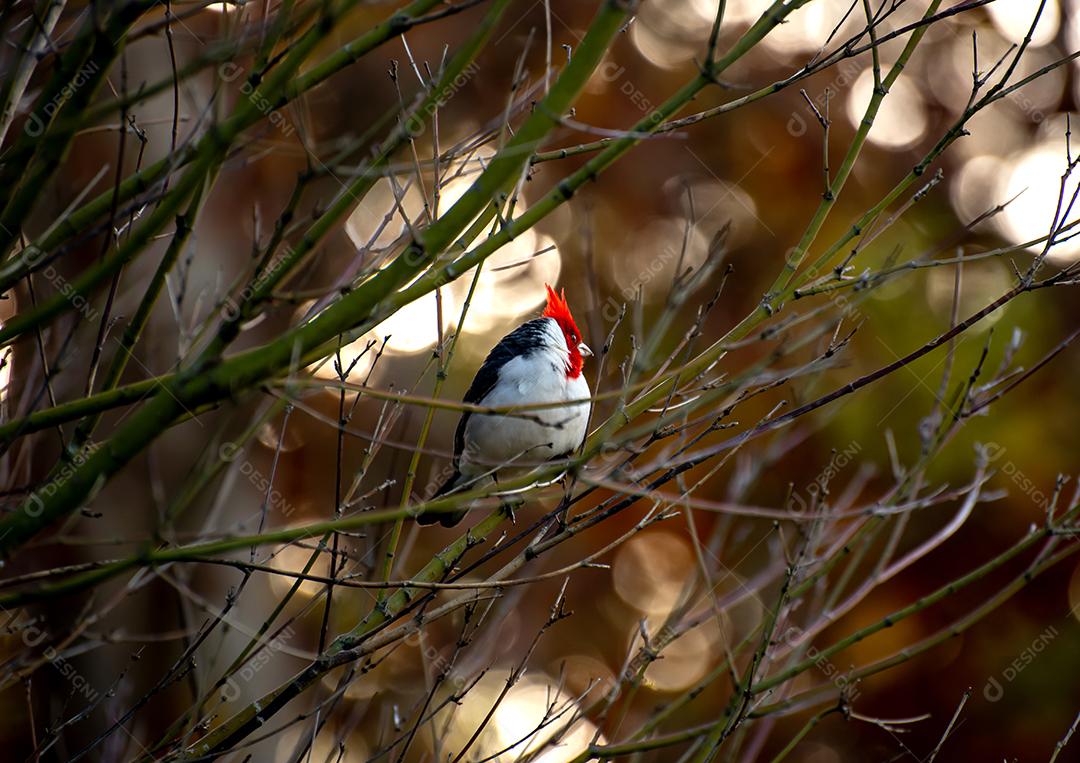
[560, 311]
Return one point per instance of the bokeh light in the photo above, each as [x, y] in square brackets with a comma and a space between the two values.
[651, 255]
[377, 220]
[651, 570]
[7, 309]
[712, 203]
[669, 34]
[586, 676]
[1013, 20]
[412, 329]
[739, 12]
[511, 282]
[415, 327]
[982, 283]
[1034, 178]
[950, 80]
[973, 190]
[684, 661]
[805, 30]
[272, 436]
[900, 122]
[533, 710]
[658, 50]
[293, 559]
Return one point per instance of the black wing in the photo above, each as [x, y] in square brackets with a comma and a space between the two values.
[521, 341]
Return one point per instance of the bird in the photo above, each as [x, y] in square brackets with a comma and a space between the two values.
[541, 361]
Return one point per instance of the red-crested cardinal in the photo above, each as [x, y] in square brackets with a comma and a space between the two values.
[538, 362]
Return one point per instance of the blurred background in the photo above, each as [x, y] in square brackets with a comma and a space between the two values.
[757, 169]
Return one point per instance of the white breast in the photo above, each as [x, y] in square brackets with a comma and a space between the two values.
[538, 435]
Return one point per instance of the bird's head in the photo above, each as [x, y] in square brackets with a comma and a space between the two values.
[559, 311]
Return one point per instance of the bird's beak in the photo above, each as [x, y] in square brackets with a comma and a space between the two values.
[584, 350]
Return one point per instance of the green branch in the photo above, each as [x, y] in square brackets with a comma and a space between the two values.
[272, 91]
[81, 71]
[208, 381]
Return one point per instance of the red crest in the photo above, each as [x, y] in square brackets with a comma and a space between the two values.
[558, 309]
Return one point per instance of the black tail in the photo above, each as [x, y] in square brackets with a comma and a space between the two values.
[445, 518]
